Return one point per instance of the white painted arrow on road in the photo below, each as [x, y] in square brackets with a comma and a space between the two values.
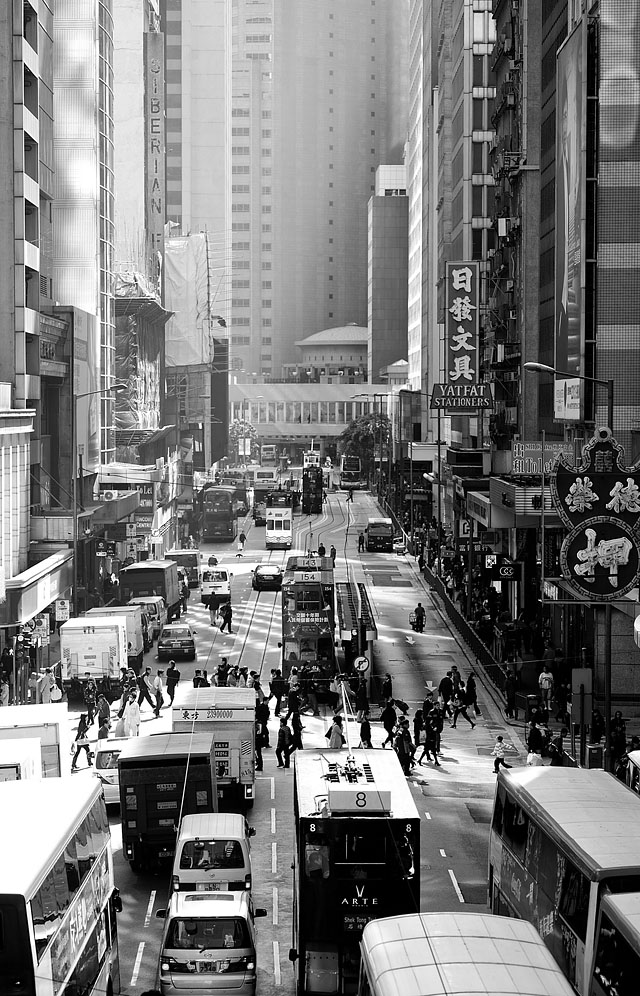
[410, 639]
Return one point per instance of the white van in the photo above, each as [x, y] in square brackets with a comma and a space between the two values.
[213, 854]
[156, 610]
[208, 945]
[215, 585]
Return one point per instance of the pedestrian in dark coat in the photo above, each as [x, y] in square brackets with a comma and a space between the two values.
[445, 690]
[386, 688]
[362, 700]
[284, 745]
[430, 743]
[293, 702]
[460, 708]
[262, 715]
[173, 677]
[389, 719]
[297, 728]
[472, 693]
[365, 732]
[227, 615]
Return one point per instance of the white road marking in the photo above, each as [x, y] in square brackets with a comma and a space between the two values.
[442, 854]
[274, 857]
[273, 788]
[137, 963]
[455, 885]
[427, 816]
[273, 821]
[152, 899]
[275, 906]
[277, 977]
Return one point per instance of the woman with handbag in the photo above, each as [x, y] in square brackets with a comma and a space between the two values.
[82, 742]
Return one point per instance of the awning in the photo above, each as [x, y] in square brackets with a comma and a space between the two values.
[30, 592]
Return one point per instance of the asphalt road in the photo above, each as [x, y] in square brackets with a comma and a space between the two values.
[454, 801]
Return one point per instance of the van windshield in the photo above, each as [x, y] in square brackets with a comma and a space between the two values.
[214, 577]
[107, 759]
[211, 854]
[205, 934]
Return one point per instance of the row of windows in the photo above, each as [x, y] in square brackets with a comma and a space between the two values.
[243, 264]
[241, 284]
[330, 412]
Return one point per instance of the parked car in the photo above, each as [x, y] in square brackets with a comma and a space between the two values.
[177, 640]
[267, 577]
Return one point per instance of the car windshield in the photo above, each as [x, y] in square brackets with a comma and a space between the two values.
[205, 934]
[107, 759]
[175, 633]
[211, 854]
[268, 571]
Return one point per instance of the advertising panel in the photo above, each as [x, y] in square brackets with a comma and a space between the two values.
[462, 323]
[570, 222]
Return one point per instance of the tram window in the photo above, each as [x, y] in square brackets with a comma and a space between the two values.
[309, 600]
[316, 861]
[361, 849]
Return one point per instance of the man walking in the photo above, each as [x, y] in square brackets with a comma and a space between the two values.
[158, 686]
[173, 677]
[350, 495]
[389, 719]
[445, 690]
[333, 553]
[545, 681]
[227, 615]
[360, 542]
[284, 745]
[499, 750]
[145, 684]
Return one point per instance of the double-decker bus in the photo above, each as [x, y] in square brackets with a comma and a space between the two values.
[269, 455]
[279, 525]
[357, 857]
[217, 508]
[350, 471]
[236, 478]
[58, 902]
[424, 952]
[308, 615]
[561, 840]
[312, 490]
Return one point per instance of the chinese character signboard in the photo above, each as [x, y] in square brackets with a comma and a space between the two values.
[462, 323]
[529, 456]
[599, 502]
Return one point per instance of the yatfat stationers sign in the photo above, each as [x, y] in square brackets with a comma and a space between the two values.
[461, 398]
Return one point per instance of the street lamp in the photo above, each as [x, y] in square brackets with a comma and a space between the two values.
[544, 368]
[119, 387]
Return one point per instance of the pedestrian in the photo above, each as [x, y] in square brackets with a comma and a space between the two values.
[335, 735]
[173, 679]
[335, 692]
[562, 695]
[535, 739]
[262, 714]
[297, 728]
[389, 718]
[430, 748]
[214, 613]
[556, 748]
[545, 682]
[472, 693]
[362, 699]
[283, 745]
[386, 688]
[259, 743]
[185, 594]
[511, 705]
[436, 718]
[618, 734]
[145, 684]
[232, 677]
[293, 701]
[445, 691]
[459, 705]
[456, 677]
[103, 709]
[500, 748]
[242, 677]
[365, 732]
[596, 727]
[242, 539]
[360, 542]
[89, 695]
[402, 746]
[222, 672]
[82, 742]
[322, 550]
[4, 689]
[104, 725]
[227, 615]
[350, 495]
[418, 726]
[333, 553]
[131, 717]
[278, 688]
[158, 688]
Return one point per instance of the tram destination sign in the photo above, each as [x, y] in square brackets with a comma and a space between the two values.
[461, 399]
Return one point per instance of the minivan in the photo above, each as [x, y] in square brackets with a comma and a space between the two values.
[213, 853]
[155, 608]
[215, 586]
[208, 945]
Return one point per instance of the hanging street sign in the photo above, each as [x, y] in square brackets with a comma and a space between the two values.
[599, 502]
[462, 399]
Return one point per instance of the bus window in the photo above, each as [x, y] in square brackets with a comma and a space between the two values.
[515, 827]
[617, 964]
[316, 861]
[574, 900]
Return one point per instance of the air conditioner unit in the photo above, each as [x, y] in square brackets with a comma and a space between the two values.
[109, 495]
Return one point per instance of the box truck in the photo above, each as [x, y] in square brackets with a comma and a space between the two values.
[138, 635]
[152, 577]
[92, 647]
[49, 724]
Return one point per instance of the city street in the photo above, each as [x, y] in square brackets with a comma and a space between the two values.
[454, 801]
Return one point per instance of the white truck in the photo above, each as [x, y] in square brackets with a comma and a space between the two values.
[138, 636]
[96, 647]
[20, 760]
[46, 723]
[229, 714]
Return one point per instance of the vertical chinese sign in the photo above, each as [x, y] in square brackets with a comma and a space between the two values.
[462, 323]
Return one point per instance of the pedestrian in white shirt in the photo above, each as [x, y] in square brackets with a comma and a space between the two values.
[499, 751]
[158, 686]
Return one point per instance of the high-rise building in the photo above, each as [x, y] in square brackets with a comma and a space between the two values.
[388, 242]
[319, 101]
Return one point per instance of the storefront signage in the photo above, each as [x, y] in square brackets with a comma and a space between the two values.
[461, 398]
[528, 456]
[462, 323]
[599, 501]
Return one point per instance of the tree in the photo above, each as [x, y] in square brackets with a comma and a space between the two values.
[367, 437]
[241, 432]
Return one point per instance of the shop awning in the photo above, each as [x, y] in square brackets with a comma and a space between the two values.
[31, 591]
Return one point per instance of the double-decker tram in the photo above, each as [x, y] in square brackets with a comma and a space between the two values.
[562, 840]
[357, 858]
[58, 901]
[312, 490]
[308, 616]
[217, 510]
[311, 458]
[350, 471]
[279, 524]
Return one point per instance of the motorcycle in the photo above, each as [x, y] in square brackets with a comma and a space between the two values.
[416, 622]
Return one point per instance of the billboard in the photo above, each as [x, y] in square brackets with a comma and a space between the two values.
[571, 108]
[462, 323]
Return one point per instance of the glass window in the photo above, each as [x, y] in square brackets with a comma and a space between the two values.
[316, 861]
[209, 854]
[515, 827]
[574, 899]
[49, 904]
[617, 964]
[208, 934]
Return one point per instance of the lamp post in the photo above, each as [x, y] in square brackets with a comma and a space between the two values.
[544, 368]
[74, 492]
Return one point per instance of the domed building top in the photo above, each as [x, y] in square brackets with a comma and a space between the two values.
[350, 334]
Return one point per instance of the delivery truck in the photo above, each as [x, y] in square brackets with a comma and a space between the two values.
[49, 724]
[92, 647]
[229, 716]
[162, 778]
[152, 577]
[137, 624]
[20, 760]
